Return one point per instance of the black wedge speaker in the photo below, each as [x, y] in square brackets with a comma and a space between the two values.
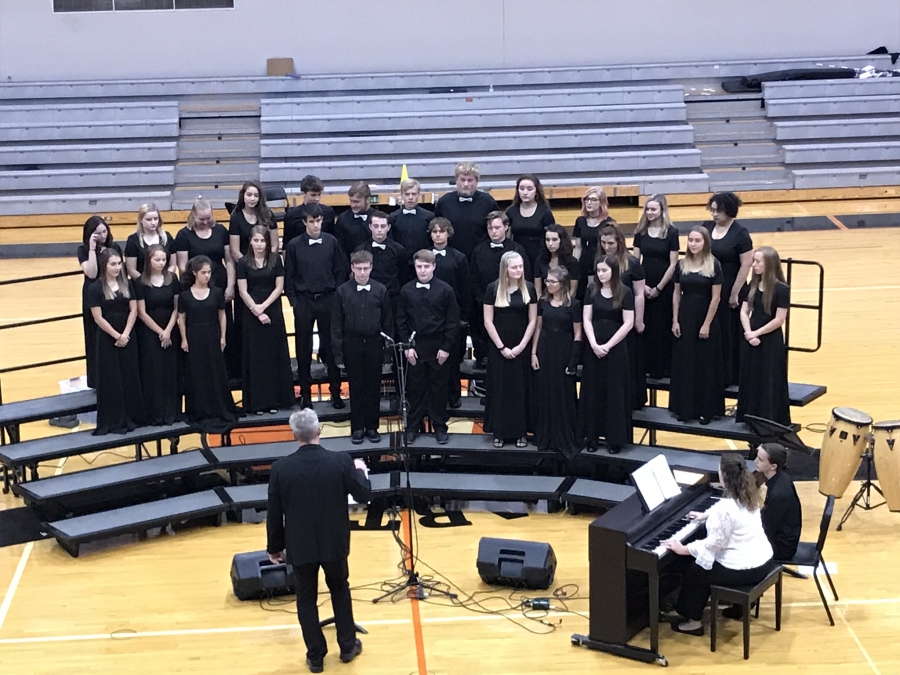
[512, 562]
[254, 576]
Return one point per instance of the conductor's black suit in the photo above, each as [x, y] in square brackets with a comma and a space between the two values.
[309, 520]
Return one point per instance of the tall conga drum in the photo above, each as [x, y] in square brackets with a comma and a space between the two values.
[887, 460]
[842, 449]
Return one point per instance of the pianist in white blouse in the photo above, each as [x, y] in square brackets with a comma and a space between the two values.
[735, 551]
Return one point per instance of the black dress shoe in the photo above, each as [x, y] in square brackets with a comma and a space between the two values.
[705, 420]
[442, 437]
[357, 437]
[315, 666]
[455, 404]
[353, 653]
[411, 437]
[337, 402]
[735, 612]
[373, 436]
[614, 449]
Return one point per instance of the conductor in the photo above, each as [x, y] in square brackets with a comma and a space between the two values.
[309, 525]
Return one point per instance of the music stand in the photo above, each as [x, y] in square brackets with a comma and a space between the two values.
[768, 431]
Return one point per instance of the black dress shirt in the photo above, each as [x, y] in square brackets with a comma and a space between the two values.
[486, 264]
[782, 516]
[313, 268]
[469, 218]
[389, 264]
[359, 313]
[452, 267]
[352, 229]
[430, 311]
[294, 224]
[410, 230]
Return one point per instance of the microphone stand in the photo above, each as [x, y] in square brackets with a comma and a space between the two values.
[412, 584]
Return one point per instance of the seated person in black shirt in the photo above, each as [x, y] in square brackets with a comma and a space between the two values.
[352, 227]
[314, 266]
[429, 311]
[389, 259]
[452, 267]
[409, 223]
[485, 269]
[467, 208]
[361, 313]
[312, 189]
[782, 516]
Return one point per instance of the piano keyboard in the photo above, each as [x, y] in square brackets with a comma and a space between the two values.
[680, 530]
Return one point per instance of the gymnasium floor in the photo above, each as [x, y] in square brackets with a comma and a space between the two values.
[165, 604]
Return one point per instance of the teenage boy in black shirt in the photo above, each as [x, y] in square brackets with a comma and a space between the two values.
[409, 223]
[314, 266]
[352, 227]
[427, 308]
[312, 189]
[362, 311]
[389, 259]
[452, 267]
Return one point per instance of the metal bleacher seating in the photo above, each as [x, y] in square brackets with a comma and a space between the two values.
[584, 134]
[87, 156]
[837, 133]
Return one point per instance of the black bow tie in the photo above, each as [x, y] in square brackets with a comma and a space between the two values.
[465, 199]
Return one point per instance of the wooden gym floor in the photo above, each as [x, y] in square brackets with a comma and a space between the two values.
[165, 604]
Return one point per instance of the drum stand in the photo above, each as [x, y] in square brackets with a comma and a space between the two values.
[863, 497]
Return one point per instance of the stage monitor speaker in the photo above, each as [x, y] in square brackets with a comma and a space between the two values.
[511, 562]
[254, 576]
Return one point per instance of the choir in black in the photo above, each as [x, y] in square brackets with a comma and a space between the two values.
[696, 320]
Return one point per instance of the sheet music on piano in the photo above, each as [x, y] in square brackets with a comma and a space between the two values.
[655, 483]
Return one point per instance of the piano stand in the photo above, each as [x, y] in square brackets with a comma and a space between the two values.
[627, 651]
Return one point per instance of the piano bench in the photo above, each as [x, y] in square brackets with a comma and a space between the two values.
[745, 597]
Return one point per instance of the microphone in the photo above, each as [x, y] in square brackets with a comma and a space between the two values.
[387, 338]
[412, 339]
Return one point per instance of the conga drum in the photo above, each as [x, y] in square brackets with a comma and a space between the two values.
[887, 460]
[842, 450]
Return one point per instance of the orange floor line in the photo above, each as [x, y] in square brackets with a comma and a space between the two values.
[837, 222]
[406, 525]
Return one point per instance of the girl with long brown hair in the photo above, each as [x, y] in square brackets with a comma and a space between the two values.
[697, 388]
[251, 210]
[120, 405]
[157, 295]
[529, 215]
[510, 316]
[764, 382]
[607, 316]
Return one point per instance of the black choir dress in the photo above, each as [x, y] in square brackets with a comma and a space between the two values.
[590, 244]
[604, 409]
[159, 367]
[120, 406]
[542, 266]
[133, 249]
[697, 387]
[764, 380]
[727, 251]
[555, 396]
[88, 324]
[207, 398]
[239, 227]
[506, 413]
[213, 247]
[529, 232]
[655, 253]
[267, 380]
[635, 340]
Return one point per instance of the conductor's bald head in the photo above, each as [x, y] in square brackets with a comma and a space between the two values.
[305, 426]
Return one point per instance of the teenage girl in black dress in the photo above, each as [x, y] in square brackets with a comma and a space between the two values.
[529, 215]
[95, 238]
[586, 234]
[149, 232]
[557, 253]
